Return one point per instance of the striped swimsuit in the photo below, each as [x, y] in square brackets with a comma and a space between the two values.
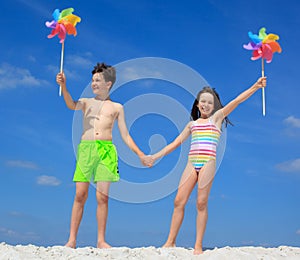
[205, 138]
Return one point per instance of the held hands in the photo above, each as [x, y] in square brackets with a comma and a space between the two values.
[147, 160]
[261, 82]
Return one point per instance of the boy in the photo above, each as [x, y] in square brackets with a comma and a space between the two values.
[97, 155]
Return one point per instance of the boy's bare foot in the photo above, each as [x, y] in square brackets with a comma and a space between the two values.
[198, 251]
[103, 245]
[168, 244]
[71, 244]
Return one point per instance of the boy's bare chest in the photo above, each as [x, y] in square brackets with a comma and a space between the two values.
[97, 110]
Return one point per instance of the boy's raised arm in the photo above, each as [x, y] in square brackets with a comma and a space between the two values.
[71, 104]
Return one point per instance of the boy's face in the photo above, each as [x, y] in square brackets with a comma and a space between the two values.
[99, 85]
[206, 104]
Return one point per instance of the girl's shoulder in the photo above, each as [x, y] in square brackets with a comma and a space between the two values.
[217, 118]
[218, 115]
[189, 124]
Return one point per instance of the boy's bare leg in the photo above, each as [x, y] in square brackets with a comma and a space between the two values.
[102, 211]
[81, 195]
[205, 181]
[187, 183]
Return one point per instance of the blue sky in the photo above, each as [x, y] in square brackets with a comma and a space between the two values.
[255, 195]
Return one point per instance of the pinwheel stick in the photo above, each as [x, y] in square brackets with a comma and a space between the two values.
[263, 89]
[61, 62]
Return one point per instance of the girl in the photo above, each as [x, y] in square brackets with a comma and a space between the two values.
[208, 115]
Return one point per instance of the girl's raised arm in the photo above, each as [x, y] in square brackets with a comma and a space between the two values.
[226, 110]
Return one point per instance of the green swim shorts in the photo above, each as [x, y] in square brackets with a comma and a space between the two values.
[98, 159]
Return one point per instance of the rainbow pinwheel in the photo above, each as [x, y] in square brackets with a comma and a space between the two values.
[263, 46]
[64, 23]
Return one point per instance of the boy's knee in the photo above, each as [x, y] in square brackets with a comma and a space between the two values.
[101, 198]
[81, 196]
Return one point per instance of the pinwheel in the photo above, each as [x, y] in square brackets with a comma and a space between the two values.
[64, 23]
[263, 46]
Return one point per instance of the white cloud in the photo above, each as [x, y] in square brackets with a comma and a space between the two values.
[79, 61]
[16, 213]
[298, 232]
[289, 166]
[292, 121]
[48, 180]
[22, 164]
[6, 232]
[38, 7]
[70, 74]
[135, 73]
[13, 77]
[31, 58]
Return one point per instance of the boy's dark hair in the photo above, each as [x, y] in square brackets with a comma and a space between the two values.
[195, 113]
[109, 72]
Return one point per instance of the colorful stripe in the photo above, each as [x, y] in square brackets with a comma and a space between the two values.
[205, 138]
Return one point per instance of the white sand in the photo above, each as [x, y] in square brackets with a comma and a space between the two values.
[59, 252]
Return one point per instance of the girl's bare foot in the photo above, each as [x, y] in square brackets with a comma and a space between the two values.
[103, 245]
[71, 244]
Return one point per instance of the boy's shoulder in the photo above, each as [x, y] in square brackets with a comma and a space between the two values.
[82, 99]
[116, 103]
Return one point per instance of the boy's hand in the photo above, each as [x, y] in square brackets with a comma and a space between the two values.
[61, 79]
[147, 160]
[261, 82]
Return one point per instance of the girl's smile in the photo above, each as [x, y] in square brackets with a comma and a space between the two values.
[206, 104]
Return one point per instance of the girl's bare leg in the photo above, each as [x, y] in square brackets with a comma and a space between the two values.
[186, 185]
[102, 211]
[77, 211]
[205, 181]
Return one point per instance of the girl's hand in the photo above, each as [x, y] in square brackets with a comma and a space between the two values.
[61, 78]
[147, 160]
[261, 82]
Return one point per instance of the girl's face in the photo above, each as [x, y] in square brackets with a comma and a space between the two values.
[206, 104]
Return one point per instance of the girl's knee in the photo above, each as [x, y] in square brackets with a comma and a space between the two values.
[202, 204]
[179, 203]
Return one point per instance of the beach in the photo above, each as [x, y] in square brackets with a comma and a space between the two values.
[9, 252]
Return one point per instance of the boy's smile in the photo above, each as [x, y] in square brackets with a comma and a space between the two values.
[99, 85]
